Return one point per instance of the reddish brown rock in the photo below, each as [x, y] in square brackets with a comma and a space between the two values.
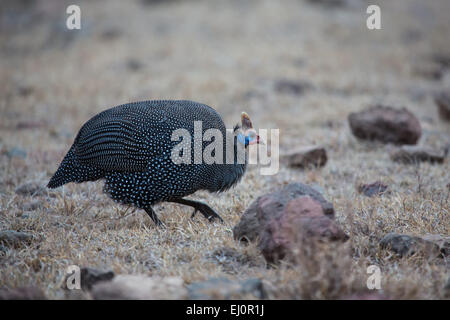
[386, 124]
[301, 220]
[265, 207]
[442, 100]
[307, 157]
[414, 154]
[281, 220]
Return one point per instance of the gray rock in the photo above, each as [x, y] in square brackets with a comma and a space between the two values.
[13, 238]
[291, 86]
[415, 154]
[307, 157]
[17, 153]
[31, 189]
[32, 205]
[372, 189]
[22, 293]
[224, 289]
[139, 287]
[442, 100]
[405, 245]
[90, 276]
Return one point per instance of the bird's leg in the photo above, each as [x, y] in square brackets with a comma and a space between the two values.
[204, 209]
[154, 217]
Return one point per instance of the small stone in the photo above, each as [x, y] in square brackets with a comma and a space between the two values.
[442, 100]
[30, 124]
[291, 87]
[225, 289]
[139, 287]
[373, 189]
[15, 238]
[442, 241]
[405, 245]
[31, 189]
[32, 205]
[386, 124]
[90, 276]
[415, 154]
[17, 153]
[22, 293]
[281, 218]
[367, 296]
[307, 157]
[134, 65]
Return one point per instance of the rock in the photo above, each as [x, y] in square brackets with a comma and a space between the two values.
[442, 100]
[139, 287]
[405, 245]
[90, 276]
[224, 289]
[447, 288]
[282, 218]
[386, 124]
[30, 124]
[429, 71]
[307, 157]
[291, 87]
[442, 241]
[230, 259]
[329, 3]
[31, 189]
[15, 238]
[367, 296]
[441, 59]
[17, 153]
[265, 207]
[133, 64]
[32, 205]
[22, 293]
[301, 220]
[414, 154]
[373, 189]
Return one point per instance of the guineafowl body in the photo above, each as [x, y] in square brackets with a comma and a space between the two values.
[130, 147]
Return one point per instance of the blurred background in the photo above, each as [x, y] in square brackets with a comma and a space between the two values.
[276, 59]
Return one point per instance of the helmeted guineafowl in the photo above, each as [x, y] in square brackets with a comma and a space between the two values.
[131, 145]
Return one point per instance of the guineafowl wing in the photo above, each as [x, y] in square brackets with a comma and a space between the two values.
[124, 138]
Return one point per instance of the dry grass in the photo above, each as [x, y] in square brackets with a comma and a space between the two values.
[228, 55]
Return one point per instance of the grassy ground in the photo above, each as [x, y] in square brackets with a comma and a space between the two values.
[227, 54]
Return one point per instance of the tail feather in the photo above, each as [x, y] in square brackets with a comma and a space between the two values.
[71, 170]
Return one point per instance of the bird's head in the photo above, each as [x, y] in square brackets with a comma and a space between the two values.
[245, 133]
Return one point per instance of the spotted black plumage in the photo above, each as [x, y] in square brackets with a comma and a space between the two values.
[130, 147]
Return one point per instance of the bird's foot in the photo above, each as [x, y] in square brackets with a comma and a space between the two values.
[207, 212]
